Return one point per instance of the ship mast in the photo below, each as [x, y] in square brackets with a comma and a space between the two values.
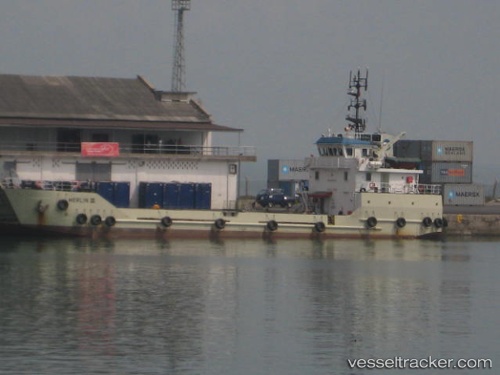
[356, 83]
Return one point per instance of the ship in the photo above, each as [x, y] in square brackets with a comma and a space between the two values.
[357, 188]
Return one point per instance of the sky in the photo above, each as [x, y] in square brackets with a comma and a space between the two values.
[279, 68]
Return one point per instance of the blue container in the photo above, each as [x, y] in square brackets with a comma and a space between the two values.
[150, 194]
[186, 196]
[105, 190]
[203, 196]
[171, 195]
[121, 192]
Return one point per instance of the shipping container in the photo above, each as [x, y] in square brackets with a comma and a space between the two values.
[450, 172]
[452, 151]
[171, 195]
[150, 194]
[203, 196]
[186, 196]
[121, 194]
[406, 148]
[105, 190]
[463, 195]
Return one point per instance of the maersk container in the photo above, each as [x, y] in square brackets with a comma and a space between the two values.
[463, 195]
[452, 151]
[150, 194]
[451, 173]
[203, 196]
[121, 191]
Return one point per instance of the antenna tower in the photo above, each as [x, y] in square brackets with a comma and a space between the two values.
[179, 68]
[356, 83]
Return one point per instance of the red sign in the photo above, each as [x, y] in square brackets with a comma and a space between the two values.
[100, 149]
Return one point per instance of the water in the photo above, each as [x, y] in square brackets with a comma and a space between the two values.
[244, 307]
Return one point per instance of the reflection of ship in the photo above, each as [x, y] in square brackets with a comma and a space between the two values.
[358, 189]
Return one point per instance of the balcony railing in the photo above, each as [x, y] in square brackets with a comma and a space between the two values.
[161, 149]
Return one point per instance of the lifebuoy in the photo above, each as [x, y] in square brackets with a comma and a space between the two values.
[272, 225]
[420, 189]
[319, 227]
[427, 222]
[401, 222]
[166, 221]
[95, 220]
[438, 222]
[371, 222]
[62, 204]
[372, 185]
[81, 219]
[220, 223]
[110, 221]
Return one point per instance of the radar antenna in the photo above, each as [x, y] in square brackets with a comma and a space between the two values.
[179, 67]
[356, 83]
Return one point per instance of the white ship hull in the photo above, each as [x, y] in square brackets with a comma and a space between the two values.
[87, 214]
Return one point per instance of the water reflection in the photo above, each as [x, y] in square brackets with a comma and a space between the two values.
[228, 307]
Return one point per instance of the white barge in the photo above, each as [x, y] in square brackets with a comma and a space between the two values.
[63, 161]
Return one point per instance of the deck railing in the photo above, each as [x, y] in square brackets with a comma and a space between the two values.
[131, 148]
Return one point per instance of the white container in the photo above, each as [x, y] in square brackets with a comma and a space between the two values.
[463, 195]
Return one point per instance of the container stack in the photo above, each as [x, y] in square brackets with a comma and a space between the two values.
[175, 195]
[447, 163]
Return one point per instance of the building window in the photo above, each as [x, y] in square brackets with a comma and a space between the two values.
[316, 175]
[68, 140]
[346, 175]
[368, 176]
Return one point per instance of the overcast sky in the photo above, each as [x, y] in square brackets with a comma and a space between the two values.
[279, 68]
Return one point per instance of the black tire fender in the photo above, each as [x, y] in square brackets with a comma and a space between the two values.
[166, 221]
[427, 222]
[272, 225]
[401, 222]
[319, 227]
[62, 204]
[438, 222]
[220, 223]
[110, 221]
[81, 219]
[371, 222]
[95, 220]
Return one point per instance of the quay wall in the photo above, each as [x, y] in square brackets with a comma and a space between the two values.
[472, 225]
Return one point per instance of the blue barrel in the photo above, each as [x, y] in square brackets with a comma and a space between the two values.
[121, 192]
[105, 189]
[171, 195]
[203, 196]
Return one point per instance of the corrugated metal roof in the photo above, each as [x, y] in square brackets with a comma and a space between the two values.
[32, 100]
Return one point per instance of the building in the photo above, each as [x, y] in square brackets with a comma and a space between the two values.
[74, 129]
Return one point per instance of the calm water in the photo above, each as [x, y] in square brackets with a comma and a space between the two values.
[244, 307]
